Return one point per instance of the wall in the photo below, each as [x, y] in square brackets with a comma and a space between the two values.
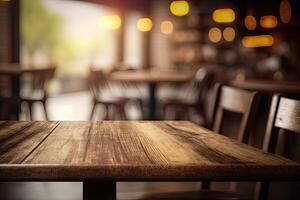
[5, 32]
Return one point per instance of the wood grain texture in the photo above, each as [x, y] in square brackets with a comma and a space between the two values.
[18, 139]
[288, 115]
[143, 150]
[148, 76]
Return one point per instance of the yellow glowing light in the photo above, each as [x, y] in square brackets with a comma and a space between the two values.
[179, 8]
[250, 22]
[110, 22]
[268, 21]
[214, 35]
[285, 11]
[258, 41]
[225, 15]
[144, 24]
[166, 27]
[229, 34]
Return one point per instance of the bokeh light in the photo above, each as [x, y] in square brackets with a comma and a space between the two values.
[214, 34]
[166, 27]
[179, 8]
[269, 21]
[285, 11]
[225, 15]
[110, 22]
[144, 24]
[250, 22]
[258, 41]
[229, 34]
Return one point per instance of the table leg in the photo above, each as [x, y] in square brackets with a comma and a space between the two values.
[16, 92]
[95, 190]
[152, 101]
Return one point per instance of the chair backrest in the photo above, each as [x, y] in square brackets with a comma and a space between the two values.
[39, 78]
[284, 114]
[199, 85]
[97, 81]
[203, 79]
[236, 101]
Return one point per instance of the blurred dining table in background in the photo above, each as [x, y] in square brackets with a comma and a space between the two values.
[152, 78]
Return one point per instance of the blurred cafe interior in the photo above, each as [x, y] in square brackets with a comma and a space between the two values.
[94, 60]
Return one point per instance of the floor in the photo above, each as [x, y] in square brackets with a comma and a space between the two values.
[76, 107]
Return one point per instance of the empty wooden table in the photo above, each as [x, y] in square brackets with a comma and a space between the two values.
[152, 78]
[101, 153]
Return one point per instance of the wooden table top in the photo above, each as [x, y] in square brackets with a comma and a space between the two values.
[17, 69]
[268, 86]
[151, 76]
[129, 151]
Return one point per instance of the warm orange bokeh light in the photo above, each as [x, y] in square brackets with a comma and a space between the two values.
[214, 34]
[225, 15]
[258, 41]
[144, 24]
[285, 11]
[179, 8]
[268, 21]
[110, 22]
[229, 34]
[250, 22]
[166, 27]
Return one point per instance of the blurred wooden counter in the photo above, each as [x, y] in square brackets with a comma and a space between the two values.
[285, 87]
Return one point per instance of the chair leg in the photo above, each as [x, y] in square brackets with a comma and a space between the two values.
[205, 185]
[107, 112]
[30, 110]
[93, 111]
[5, 110]
[233, 186]
[164, 109]
[261, 191]
[141, 105]
[45, 109]
[122, 112]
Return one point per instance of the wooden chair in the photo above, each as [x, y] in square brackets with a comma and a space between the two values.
[34, 90]
[101, 91]
[226, 99]
[237, 101]
[284, 115]
[198, 87]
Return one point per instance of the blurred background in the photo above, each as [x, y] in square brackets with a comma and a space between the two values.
[238, 40]
[145, 59]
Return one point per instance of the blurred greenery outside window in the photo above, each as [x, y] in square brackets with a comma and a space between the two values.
[66, 34]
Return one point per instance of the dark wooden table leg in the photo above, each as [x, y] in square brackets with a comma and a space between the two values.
[99, 190]
[15, 89]
[152, 101]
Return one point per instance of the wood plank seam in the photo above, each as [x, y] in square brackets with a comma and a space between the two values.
[40, 142]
